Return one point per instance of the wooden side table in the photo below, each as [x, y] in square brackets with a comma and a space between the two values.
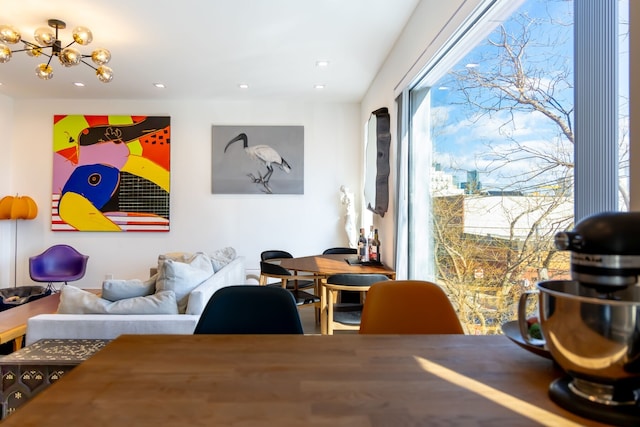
[13, 322]
[30, 370]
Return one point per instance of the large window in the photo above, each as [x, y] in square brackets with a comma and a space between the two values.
[491, 158]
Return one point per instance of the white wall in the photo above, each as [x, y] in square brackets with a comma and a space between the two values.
[6, 227]
[419, 42]
[200, 221]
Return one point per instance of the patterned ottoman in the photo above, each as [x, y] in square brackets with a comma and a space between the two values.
[30, 370]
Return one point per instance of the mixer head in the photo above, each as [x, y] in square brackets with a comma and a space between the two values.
[605, 250]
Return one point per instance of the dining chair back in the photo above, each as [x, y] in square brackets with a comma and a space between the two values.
[58, 264]
[250, 309]
[287, 280]
[270, 257]
[408, 307]
[274, 254]
[345, 315]
[340, 250]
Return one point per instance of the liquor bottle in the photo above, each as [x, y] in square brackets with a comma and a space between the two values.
[376, 246]
[363, 247]
[372, 255]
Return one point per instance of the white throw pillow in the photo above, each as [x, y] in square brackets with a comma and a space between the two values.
[222, 257]
[159, 303]
[176, 256]
[182, 278]
[78, 301]
[116, 289]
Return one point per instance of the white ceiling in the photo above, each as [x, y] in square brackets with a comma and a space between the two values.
[205, 48]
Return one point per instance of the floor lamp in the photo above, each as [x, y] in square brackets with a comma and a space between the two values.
[15, 208]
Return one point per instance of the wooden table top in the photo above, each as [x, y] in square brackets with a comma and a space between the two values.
[326, 265]
[13, 322]
[298, 380]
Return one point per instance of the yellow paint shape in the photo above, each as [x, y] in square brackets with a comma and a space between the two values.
[78, 212]
[145, 168]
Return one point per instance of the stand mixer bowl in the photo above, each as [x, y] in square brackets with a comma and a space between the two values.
[594, 337]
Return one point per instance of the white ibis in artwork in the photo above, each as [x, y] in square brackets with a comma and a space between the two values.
[265, 155]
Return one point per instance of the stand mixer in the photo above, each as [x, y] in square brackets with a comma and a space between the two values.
[591, 324]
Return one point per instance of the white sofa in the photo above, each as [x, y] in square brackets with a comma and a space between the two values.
[109, 326]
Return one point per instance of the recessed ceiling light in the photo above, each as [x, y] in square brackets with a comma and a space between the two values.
[243, 86]
[322, 63]
[159, 85]
[319, 87]
[472, 65]
[78, 84]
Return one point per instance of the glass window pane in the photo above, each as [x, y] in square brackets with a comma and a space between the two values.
[491, 161]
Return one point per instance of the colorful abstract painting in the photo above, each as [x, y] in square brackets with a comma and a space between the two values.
[111, 173]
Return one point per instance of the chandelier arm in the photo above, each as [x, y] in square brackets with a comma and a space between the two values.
[20, 50]
[27, 42]
[86, 63]
[34, 46]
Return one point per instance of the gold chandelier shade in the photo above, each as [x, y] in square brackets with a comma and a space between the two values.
[47, 38]
[9, 34]
[18, 207]
[82, 35]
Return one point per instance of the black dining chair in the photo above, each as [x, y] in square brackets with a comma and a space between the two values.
[288, 280]
[250, 309]
[340, 250]
[294, 282]
[346, 315]
[272, 254]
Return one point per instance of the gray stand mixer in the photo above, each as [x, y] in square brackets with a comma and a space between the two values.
[591, 324]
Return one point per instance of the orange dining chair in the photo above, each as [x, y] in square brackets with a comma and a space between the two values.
[408, 307]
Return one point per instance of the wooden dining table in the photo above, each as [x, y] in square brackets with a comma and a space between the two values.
[302, 380]
[323, 266]
[326, 265]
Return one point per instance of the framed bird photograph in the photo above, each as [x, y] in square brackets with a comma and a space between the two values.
[257, 160]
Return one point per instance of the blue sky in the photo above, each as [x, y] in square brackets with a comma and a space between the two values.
[465, 137]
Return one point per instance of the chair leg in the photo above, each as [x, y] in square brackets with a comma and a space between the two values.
[332, 295]
[51, 287]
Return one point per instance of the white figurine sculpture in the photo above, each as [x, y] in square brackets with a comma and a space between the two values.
[346, 198]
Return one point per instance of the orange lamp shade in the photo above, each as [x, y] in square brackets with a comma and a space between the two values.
[18, 207]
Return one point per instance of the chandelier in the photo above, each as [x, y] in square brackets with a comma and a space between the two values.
[47, 38]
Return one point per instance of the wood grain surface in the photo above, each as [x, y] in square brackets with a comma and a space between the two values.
[326, 265]
[283, 380]
[13, 322]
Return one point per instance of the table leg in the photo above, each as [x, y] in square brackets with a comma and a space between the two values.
[17, 343]
[323, 306]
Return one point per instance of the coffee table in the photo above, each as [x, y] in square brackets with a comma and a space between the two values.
[32, 369]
